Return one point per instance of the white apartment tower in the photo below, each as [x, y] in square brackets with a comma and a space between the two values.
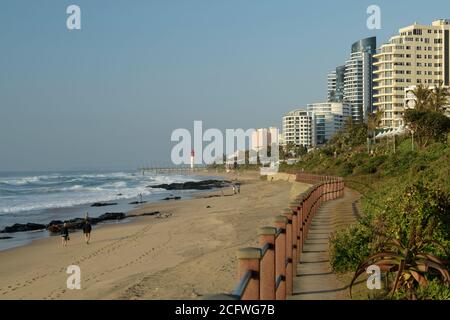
[315, 124]
[418, 55]
[358, 81]
[298, 128]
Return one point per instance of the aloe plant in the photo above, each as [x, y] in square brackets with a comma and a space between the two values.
[411, 262]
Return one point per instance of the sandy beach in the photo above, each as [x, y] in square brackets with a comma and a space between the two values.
[187, 252]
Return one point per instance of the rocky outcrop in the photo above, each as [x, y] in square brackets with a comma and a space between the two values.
[19, 227]
[193, 185]
[138, 202]
[111, 216]
[171, 198]
[56, 225]
[103, 204]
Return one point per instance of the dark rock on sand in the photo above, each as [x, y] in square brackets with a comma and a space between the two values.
[54, 228]
[172, 198]
[78, 223]
[18, 227]
[193, 185]
[138, 202]
[112, 216]
[54, 222]
[149, 214]
[103, 204]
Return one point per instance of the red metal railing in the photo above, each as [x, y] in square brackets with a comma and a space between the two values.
[267, 272]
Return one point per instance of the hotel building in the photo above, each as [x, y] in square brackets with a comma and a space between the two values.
[418, 55]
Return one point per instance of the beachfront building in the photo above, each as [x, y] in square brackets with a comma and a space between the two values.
[335, 85]
[358, 82]
[352, 83]
[418, 55]
[329, 118]
[314, 125]
[298, 128]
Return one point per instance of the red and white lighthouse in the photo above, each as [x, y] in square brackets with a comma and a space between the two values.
[192, 158]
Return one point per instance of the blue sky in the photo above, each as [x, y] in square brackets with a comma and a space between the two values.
[108, 96]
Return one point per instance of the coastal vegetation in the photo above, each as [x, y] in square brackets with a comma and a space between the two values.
[404, 226]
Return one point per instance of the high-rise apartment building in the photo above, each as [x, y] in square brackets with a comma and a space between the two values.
[336, 85]
[358, 82]
[418, 55]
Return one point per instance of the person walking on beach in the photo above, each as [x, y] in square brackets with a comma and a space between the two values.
[234, 189]
[64, 235]
[87, 228]
[238, 186]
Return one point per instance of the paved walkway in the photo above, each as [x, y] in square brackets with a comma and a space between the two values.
[315, 279]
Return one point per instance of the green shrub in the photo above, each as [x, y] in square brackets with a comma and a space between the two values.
[372, 165]
[399, 163]
[436, 290]
[422, 209]
[347, 169]
[428, 125]
[348, 247]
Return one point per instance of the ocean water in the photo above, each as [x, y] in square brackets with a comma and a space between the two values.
[40, 197]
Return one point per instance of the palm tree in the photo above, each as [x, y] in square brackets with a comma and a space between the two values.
[373, 123]
[439, 97]
[423, 97]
